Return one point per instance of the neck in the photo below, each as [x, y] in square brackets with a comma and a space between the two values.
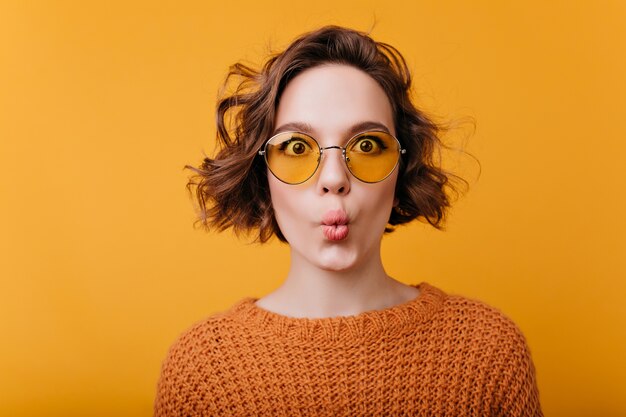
[309, 291]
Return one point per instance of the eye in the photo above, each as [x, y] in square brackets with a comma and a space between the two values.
[369, 144]
[298, 148]
[366, 145]
[295, 147]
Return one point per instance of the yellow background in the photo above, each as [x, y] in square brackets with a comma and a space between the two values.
[101, 105]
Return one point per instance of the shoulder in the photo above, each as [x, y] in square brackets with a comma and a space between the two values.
[479, 317]
[483, 331]
[204, 337]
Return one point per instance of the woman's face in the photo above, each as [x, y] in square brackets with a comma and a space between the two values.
[333, 220]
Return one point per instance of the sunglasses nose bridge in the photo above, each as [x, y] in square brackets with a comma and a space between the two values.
[343, 151]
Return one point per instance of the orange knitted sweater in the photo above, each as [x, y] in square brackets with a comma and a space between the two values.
[436, 355]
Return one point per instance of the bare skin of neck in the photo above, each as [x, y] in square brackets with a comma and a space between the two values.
[312, 292]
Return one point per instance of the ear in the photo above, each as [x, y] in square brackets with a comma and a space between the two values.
[396, 202]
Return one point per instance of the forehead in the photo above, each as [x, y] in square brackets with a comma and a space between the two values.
[332, 99]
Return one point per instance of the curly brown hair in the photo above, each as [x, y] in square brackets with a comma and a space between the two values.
[232, 188]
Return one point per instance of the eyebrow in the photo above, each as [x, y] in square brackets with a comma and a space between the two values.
[353, 130]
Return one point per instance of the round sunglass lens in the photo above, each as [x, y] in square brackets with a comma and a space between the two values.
[292, 157]
[372, 156]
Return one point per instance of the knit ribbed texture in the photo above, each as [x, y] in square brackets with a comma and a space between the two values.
[436, 355]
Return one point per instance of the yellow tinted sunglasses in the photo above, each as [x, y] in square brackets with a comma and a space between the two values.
[293, 157]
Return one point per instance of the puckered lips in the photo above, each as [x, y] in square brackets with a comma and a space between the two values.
[335, 225]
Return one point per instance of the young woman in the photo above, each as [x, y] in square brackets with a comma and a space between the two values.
[327, 153]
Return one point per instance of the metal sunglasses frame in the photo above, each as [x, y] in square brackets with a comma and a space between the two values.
[263, 152]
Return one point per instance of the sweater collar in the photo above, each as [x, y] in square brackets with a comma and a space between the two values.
[392, 320]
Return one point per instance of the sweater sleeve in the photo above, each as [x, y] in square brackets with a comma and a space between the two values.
[516, 390]
[187, 381]
[171, 391]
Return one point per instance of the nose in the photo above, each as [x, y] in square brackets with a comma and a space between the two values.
[333, 176]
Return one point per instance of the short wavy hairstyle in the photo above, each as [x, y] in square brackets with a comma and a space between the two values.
[232, 189]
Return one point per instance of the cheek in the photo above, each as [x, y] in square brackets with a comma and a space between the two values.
[278, 196]
[382, 201]
[285, 204]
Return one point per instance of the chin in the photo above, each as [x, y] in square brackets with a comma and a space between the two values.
[336, 260]
[335, 267]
